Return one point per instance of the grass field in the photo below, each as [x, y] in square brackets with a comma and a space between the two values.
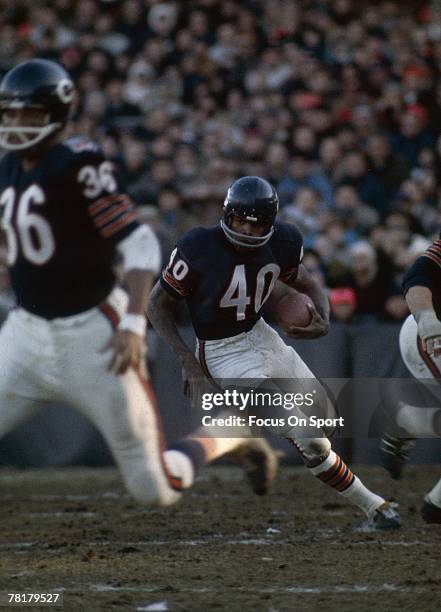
[78, 533]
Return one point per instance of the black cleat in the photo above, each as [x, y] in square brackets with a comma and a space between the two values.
[259, 462]
[430, 512]
[386, 518]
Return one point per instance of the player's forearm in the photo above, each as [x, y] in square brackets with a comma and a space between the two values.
[320, 300]
[305, 283]
[138, 284]
[161, 316]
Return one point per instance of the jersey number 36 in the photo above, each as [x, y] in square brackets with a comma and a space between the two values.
[33, 233]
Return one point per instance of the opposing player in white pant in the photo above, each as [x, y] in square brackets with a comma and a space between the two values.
[226, 273]
[74, 336]
[420, 347]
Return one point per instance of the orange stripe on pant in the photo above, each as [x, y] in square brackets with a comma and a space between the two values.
[202, 359]
[110, 313]
[174, 481]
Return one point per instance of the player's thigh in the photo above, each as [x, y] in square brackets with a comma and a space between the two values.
[282, 360]
[419, 364]
[292, 375]
[21, 393]
[118, 405]
[231, 360]
[259, 354]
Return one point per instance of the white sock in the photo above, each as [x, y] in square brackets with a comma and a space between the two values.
[362, 497]
[417, 421]
[335, 473]
[434, 495]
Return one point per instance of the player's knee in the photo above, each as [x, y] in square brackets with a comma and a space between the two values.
[315, 450]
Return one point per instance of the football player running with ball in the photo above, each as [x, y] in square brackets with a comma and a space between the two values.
[75, 336]
[226, 273]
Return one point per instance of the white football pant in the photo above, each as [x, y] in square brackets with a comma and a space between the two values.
[417, 361]
[424, 367]
[60, 361]
[262, 354]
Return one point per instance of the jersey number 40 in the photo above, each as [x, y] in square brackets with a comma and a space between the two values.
[236, 295]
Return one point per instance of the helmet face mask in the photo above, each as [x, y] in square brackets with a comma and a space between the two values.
[18, 133]
[242, 239]
[255, 200]
[43, 92]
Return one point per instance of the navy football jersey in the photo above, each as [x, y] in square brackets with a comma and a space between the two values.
[426, 272]
[62, 220]
[226, 288]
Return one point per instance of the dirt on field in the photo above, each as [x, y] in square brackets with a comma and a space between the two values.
[78, 533]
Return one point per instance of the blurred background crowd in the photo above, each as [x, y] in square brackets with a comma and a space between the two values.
[336, 102]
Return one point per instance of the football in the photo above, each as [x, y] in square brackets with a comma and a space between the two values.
[292, 310]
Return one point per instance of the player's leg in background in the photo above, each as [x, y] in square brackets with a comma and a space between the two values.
[254, 455]
[431, 507]
[123, 409]
[413, 413]
[419, 419]
[326, 465]
[409, 349]
[410, 408]
[25, 376]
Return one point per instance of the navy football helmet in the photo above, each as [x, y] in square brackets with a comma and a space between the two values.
[38, 84]
[254, 199]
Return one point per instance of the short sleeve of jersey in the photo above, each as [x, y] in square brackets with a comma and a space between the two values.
[91, 179]
[290, 251]
[180, 277]
[426, 270]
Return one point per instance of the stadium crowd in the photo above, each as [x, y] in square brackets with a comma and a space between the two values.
[337, 103]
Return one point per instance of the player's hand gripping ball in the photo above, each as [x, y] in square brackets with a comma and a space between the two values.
[292, 310]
